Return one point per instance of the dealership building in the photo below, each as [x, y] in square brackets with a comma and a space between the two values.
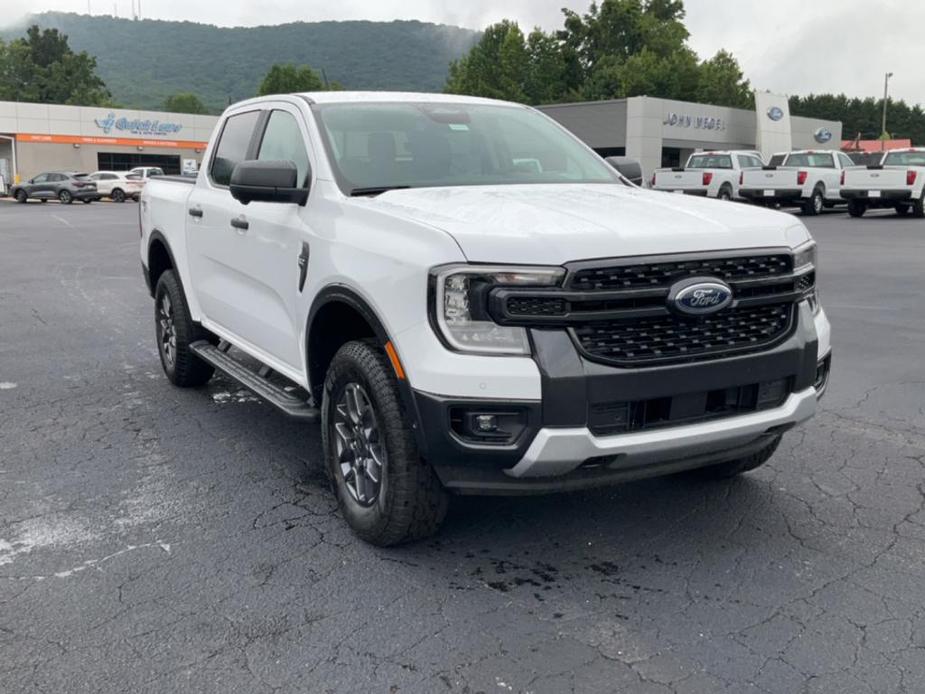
[49, 137]
[663, 132]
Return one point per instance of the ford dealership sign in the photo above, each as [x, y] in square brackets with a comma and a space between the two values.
[775, 113]
[137, 126]
[682, 120]
[822, 135]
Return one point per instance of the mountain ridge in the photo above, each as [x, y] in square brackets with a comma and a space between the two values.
[145, 61]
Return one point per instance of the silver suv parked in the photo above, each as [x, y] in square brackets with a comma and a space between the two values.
[62, 185]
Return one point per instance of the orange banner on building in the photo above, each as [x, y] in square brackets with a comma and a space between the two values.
[116, 141]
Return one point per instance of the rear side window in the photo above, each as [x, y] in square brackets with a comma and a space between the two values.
[232, 146]
[845, 161]
[282, 141]
[746, 161]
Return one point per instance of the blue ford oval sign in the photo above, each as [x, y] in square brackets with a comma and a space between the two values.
[775, 113]
[822, 135]
[700, 296]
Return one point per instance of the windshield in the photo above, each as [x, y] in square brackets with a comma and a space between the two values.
[905, 159]
[817, 160]
[389, 145]
[710, 161]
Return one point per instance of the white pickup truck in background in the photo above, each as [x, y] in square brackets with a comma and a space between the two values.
[473, 302]
[897, 181]
[710, 174]
[810, 179]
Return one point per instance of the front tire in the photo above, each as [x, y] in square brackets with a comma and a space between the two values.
[815, 204]
[857, 208]
[175, 332]
[387, 493]
[733, 468]
[21, 196]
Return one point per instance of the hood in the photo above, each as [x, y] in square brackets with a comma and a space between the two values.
[555, 224]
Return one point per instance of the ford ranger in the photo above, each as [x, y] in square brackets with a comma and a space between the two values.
[809, 179]
[897, 181]
[710, 174]
[471, 301]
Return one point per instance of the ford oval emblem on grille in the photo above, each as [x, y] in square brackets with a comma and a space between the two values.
[700, 296]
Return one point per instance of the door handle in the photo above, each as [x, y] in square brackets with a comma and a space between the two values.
[240, 223]
[195, 212]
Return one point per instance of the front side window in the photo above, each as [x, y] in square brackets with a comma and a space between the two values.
[282, 141]
[710, 161]
[817, 160]
[41, 178]
[232, 146]
[413, 145]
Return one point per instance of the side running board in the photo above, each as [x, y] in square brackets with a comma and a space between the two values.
[258, 383]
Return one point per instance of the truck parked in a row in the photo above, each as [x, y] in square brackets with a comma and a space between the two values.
[709, 174]
[897, 181]
[810, 179]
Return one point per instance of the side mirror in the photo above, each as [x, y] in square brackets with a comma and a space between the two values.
[627, 167]
[266, 181]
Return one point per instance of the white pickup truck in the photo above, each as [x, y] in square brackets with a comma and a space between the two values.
[708, 174]
[463, 323]
[810, 179]
[897, 181]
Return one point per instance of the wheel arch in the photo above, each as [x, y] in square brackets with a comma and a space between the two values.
[339, 315]
[160, 258]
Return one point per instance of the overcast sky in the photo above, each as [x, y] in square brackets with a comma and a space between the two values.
[788, 46]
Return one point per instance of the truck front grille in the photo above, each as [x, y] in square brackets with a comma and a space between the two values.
[674, 339]
[664, 273]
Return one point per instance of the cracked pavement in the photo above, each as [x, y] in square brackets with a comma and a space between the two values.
[154, 539]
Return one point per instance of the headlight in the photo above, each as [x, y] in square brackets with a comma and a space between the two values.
[460, 301]
[804, 255]
[805, 258]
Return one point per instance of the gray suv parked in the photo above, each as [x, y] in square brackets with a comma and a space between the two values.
[65, 186]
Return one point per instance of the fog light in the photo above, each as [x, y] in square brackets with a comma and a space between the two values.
[487, 425]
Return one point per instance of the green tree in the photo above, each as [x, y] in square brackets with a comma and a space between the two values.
[185, 102]
[722, 82]
[289, 79]
[42, 68]
[496, 67]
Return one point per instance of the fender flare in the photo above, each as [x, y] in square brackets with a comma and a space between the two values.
[341, 293]
[156, 235]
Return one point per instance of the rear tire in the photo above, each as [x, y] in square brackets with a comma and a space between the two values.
[387, 493]
[732, 468]
[857, 208]
[815, 204]
[902, 210]
[725, 193]
[87, 201]
[21, 196]
[918, 207]
[65, 197]
[117, 195]
[175, 332]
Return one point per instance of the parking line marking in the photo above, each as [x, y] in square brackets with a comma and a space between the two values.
[63, 221]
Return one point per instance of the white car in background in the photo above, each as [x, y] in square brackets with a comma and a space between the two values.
[710, 174]
[810, 179]
[147, 172]
[897, 181]
[117, 185]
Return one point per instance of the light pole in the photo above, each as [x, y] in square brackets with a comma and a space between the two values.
[886, 87]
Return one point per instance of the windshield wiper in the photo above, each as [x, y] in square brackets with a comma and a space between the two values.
[374, 190]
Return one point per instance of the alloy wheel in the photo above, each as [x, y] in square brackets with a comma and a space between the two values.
[166, 329]
[359, 447]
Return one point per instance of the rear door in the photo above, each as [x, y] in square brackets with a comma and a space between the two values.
[217, 250]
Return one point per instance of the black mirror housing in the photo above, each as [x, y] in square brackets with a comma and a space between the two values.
[627, 167]
[267, 181]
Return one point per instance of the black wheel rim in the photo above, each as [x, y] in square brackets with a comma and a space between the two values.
[167, 334]
[358, 445]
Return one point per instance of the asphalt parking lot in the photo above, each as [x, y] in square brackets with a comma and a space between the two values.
[160, 540]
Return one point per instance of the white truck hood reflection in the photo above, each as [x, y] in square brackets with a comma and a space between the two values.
[553, 224]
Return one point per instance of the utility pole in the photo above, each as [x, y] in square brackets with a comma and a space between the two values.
[886, 89]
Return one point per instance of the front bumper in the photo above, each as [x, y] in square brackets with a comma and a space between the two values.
[558, 448]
